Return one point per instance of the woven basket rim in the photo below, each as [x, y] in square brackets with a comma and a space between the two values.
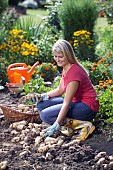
[15, 115]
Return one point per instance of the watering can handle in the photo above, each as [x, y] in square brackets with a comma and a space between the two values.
[14, 65]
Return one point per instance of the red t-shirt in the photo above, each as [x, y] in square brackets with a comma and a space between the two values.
[85, 92]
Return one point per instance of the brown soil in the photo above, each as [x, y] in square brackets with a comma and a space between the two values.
[65, 157]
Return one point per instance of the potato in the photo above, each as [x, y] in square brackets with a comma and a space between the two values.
[111, 157]
[14, 132]
[37, 140]
[100, 155]
[3, 165]
[106, 166]
[21, 106]
[51, 140]
[43, 149]
[49, 156]
[16, 139]
[111, 164]
[20, 127]
[60, 142]
[26, 109]
[101, 161]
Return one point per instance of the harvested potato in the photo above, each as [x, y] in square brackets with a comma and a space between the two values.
[16, 139]
[111, 157]
[21, 106]
[50, 140]
[14, 132]
[37, 140]
[3, 165]
[100, 155]
[43, 149]
[111, 164]
[101, 161]
[26, 109]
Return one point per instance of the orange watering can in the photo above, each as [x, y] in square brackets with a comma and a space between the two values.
[17, 70]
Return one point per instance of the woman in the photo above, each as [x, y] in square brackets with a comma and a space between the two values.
[79, 102]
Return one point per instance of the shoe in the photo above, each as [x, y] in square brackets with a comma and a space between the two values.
[85, 132]
[68, 131]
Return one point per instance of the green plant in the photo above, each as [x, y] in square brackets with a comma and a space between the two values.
[107, 7]
[52, 17]
[105, 96]
[76, 15]
[29, 25]
[18, 49]
[3, 71]
[46, 37]
[3, 5]
[47, 71]
[38, 85]
[7, 22]
[105, 41]
[99, 71]
[83, 45]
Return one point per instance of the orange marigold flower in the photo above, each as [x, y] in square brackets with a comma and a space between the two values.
[95, 64]
[104, 73]
[105, 86]
[100, 84]
[47, 68]
[42, 74]
[109, 54]
[93, 68]
[107, 64]
[110, 81]
[50, 64]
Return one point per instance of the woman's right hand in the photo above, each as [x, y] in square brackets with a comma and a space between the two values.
[34, 97]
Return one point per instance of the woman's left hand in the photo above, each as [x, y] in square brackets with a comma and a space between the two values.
[51, 130]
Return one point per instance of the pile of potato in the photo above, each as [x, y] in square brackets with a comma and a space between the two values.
[24, 132]
[104, 161]
[26, 109]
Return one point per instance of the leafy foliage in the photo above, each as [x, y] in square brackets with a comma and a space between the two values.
[77, 15]
[47, 71]
[3, 5]
[83, 45]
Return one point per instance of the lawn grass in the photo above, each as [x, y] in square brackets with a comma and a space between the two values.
[35, 14]
[101, 23]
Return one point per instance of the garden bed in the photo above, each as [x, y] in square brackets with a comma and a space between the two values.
[74, 156]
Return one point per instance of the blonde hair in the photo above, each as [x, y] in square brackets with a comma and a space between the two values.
[65, 48]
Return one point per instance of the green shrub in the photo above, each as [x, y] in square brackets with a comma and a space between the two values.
[105, 41]
[52, 17]
[77, 15]
[3, 71]
[105, 96]
[45, 39]
[3, 5]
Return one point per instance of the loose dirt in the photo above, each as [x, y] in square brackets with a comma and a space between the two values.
[24, 155]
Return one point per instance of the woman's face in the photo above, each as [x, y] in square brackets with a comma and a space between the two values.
[60, 59]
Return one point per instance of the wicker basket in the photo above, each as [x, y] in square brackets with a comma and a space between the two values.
[14, 115]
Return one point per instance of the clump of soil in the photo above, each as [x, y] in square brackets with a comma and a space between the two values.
[24, 154]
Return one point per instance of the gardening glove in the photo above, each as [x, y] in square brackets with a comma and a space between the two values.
[34, 97]
[37, 97]
[51, 130]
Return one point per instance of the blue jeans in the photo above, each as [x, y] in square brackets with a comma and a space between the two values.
[50, 109]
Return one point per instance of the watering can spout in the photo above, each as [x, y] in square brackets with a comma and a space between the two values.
[32, 68]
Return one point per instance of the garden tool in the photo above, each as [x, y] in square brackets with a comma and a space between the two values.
[81, 129]
[17, 70]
